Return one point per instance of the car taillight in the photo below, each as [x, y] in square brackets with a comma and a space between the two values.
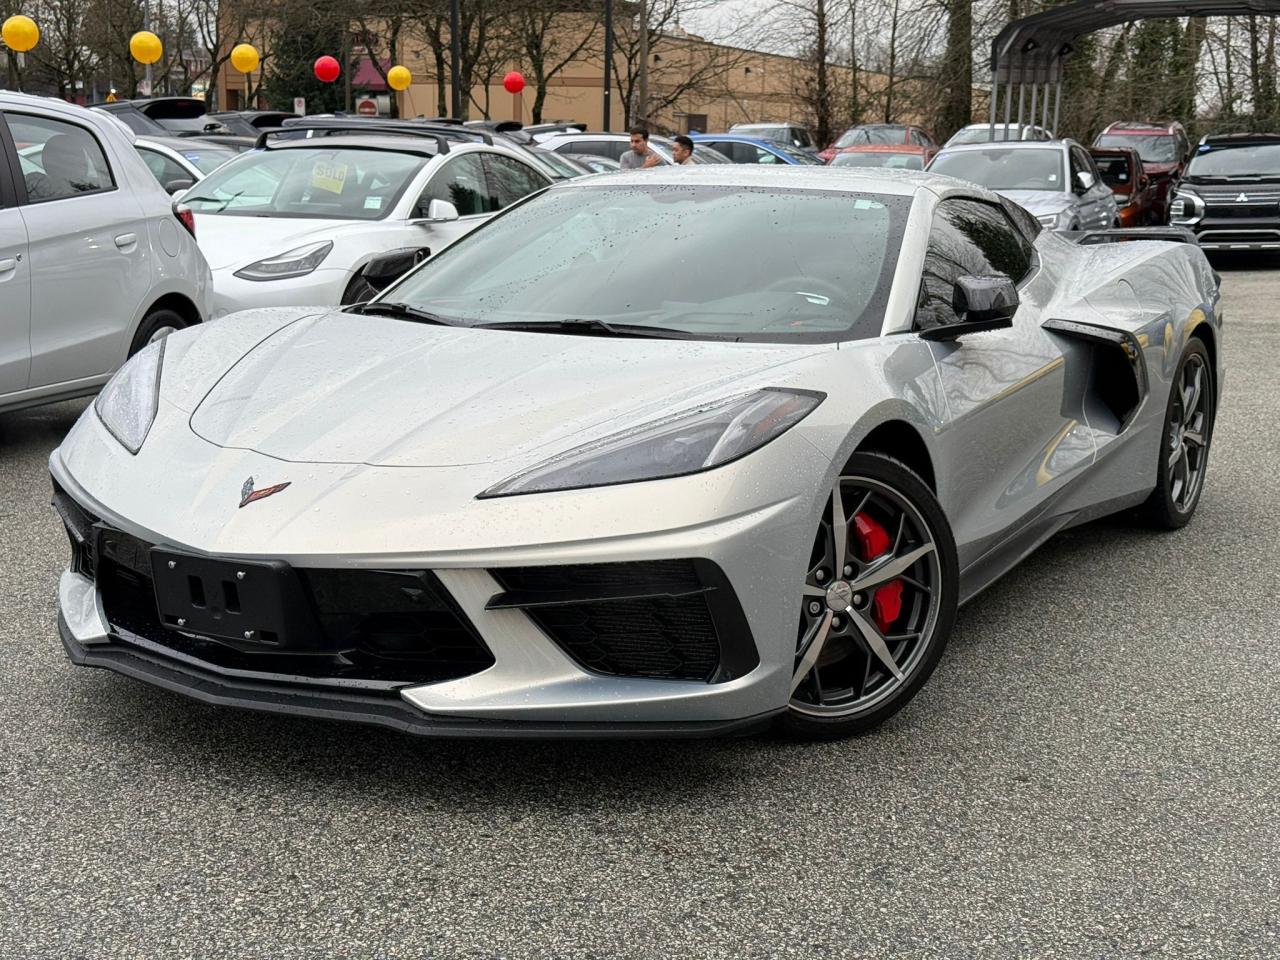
[187, 218]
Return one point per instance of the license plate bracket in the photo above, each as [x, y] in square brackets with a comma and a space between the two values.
[250, 604]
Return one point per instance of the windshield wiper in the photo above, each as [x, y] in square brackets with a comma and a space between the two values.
[588, 328]
[396, 308]
[225, 203]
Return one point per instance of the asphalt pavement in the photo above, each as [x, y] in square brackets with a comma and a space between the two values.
[1092, 772]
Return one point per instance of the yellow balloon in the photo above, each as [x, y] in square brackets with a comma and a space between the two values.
[399, 78]
[244, 57]
[20, 33]
[145, 46]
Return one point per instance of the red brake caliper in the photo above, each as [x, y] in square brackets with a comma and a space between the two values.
[873, 542]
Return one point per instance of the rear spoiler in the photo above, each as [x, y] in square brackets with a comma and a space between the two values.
[1088, 238]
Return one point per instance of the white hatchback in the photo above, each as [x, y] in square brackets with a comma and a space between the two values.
[95, 260]
[307, 220]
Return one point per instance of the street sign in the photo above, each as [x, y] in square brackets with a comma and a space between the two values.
[367, 108]
[300, 106]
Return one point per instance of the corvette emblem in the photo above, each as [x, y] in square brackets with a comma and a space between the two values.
[1242, 198]
[248, 494]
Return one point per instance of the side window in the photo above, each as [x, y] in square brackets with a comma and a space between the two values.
[763, 156]
[58, 159]
[1080, 164]
[511, 179]
[460, 181]
[918, 138]
[162, 168]
[968, 239]
[800, 137]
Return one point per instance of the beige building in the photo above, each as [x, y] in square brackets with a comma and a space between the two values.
[693, 85]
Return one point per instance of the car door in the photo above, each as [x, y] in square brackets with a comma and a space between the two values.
[1095, 202]
[87, 238]
[462, 181]
[1009, 442]
[15, 278]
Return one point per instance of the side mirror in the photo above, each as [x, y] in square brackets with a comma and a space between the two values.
[177, 186]
[441, 211]
[1085, 181]
[980, 303]
[387, 267]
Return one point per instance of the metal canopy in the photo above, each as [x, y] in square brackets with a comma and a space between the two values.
[1027, 56]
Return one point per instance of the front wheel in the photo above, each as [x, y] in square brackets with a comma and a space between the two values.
[1184, 451]
[156, 325]
[877, 603]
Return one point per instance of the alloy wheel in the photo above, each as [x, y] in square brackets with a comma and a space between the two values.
[1188, 434]
[870, 601]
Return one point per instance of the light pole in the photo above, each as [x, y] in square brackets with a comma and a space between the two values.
[642, 108]
[455, 53]
[608, 62]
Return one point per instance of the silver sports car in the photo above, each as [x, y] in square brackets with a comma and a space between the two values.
[670, 452]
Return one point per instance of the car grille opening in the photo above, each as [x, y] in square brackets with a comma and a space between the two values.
[661, 619]
[372, 628]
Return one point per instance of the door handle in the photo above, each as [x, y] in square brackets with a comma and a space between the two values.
[7, 264]
[126, 240]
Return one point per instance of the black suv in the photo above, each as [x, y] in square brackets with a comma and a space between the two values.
[1230, 196]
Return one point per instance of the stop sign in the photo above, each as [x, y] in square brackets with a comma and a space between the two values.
[367, 108]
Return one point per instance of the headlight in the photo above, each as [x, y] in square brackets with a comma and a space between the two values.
[127, 404]
[1186, 207]
[1052, 220]
[297, 262]
[688, 442]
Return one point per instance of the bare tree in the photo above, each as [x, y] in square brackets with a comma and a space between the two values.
[551, 35]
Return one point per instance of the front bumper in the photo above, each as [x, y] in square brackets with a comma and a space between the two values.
[353, 706]
[537, 685]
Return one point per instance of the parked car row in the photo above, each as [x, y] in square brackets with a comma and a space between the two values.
[97, 259]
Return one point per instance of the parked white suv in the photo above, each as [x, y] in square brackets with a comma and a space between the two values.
[95, 261]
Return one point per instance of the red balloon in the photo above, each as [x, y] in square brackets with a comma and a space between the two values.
[327, 69]
[513, 82]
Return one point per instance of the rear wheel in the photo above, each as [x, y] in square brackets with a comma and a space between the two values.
[1184, 451]
[156, 325]
[878, 601]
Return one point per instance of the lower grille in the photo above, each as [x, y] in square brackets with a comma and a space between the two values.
[662, 619]
[371, 628]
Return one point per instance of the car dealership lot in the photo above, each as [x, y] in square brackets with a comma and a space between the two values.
[1091, 773]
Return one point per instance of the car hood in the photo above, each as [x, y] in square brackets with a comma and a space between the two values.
[344, 388]
[1039, 202]
[1159, 169]
[232, 241]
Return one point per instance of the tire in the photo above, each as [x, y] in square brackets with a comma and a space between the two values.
[1182, 462]
[891, 497]
[156, 324]
[357, 290]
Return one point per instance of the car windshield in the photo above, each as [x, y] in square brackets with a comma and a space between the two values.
[1114, 170]
[898, 161]
[208, 159]
[881, 134]
[328, 183]
[982, 133]
[795, 154]
[1152, 149]
[554, 164]
[1262, 160]
[1004, 168]
[705, 262]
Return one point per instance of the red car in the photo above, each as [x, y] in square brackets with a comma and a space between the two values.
[1121, 170]
[897, 156]
[1164, 149]
[881, 134]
